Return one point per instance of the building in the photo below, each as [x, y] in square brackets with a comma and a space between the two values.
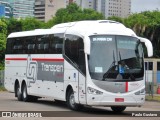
[120, 8]
[6, 9]
[2, 10]
[23, 8]
[83, 3]
[45, 9]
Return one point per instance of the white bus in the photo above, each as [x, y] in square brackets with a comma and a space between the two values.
[92, 63]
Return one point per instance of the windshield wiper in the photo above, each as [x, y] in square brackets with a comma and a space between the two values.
[112, 64]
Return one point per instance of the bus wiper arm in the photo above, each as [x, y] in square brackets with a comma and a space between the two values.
[112, 64]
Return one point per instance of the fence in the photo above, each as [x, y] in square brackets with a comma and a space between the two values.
[1, 77]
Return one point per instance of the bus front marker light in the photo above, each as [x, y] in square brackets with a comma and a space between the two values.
[94, 91]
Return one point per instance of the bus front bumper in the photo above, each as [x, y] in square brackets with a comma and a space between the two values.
[132, 101]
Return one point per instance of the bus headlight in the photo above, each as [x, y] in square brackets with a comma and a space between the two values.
[94, 91]
[140, 92]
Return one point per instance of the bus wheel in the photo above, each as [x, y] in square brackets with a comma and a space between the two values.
[25, 96]
[18, 93]
[118, 109]
[71, 100]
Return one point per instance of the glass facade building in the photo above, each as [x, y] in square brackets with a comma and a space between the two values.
[2, 10]
[23, 8]
[6, 9]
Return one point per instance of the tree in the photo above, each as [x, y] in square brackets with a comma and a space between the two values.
[31, 24]
[74, 13]
[115, 18]
[3, 35]
[50, 23]
[13, 25]
[145, 24]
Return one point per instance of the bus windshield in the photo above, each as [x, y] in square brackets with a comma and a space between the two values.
[115, 58]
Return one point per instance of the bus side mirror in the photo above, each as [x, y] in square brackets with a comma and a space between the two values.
[148, 45]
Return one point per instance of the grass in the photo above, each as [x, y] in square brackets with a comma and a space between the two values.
[155, 98]
[2, 88]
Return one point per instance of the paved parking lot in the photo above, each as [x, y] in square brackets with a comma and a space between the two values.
[9, 103]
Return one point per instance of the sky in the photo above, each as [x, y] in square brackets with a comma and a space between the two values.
[143, 5]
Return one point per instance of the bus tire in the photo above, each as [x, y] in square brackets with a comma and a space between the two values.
[18, 93]
[71, 101]
[25, 96]
[118, 109]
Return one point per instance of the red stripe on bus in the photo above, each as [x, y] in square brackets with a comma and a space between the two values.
[48, 59]
[126, 86]
[39, 59]
[16, 58]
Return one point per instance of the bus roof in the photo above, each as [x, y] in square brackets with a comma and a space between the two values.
[81, 28]
[30, 33]
[95, 27]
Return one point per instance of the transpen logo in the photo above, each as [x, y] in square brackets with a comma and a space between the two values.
[52, 68]
[31, 69]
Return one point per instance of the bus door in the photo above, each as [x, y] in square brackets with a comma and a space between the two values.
[82, 89]
[74, 50]
[82, 78]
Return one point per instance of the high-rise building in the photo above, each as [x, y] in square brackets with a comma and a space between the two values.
[82, 3]
[39, 10]
[120, 8]
[6, 9]
[46, 9]
[23, 8]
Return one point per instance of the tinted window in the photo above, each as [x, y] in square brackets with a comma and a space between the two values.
[15, 46]
[9, 46]
[42, 44]
[56, 43]
[30, 45]
[74, 50]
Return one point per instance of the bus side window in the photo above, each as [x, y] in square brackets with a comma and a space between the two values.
[10, 46]
[30, 43]
[56, 43]
[18, 46]
[40, 44]
[74, 50]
